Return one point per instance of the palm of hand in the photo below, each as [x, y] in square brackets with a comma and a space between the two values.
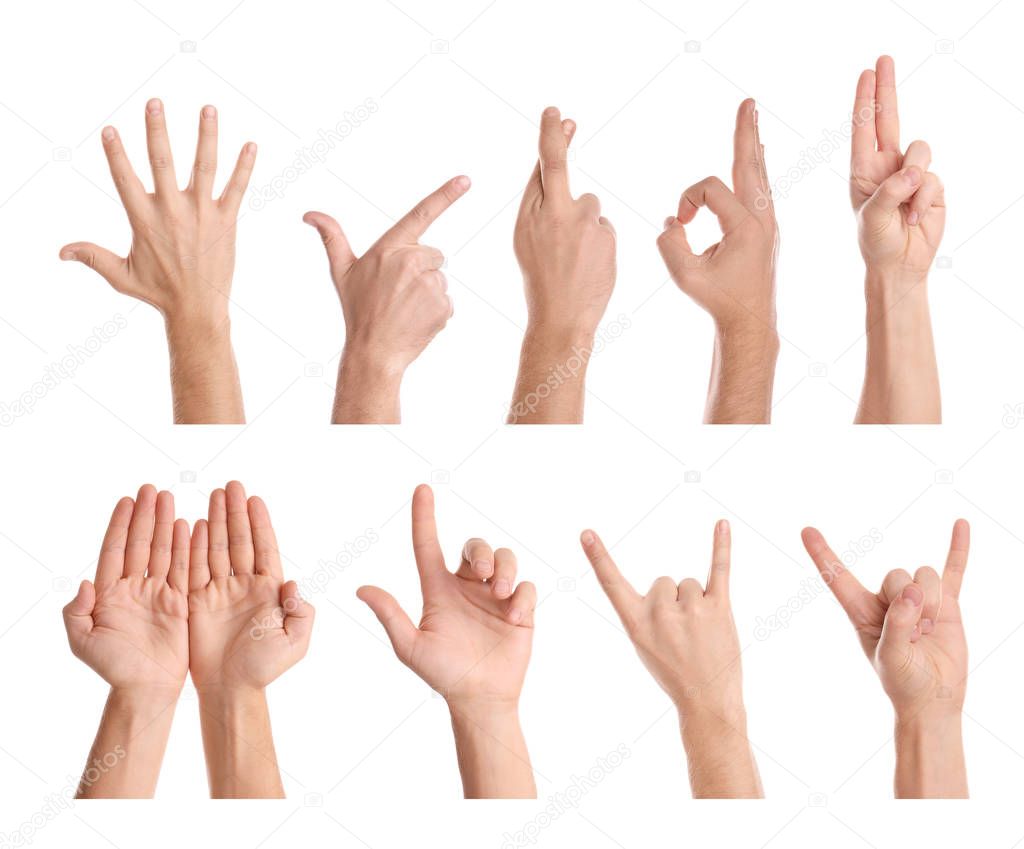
[935, 665]
[466, 645]
[140, 634]
[723, 280]
[236, 632]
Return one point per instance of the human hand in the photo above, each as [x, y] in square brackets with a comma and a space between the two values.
[131, 624]
[734, 279]
[394, 299]
[684, 633]
[473, 642]
[900, 207]
[565, 247]
[911, 629]
[181, 261]
[246, 625]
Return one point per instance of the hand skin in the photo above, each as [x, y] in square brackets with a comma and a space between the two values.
[246, 627]
[566, 251]
[394, 298]
[131, 626]
[472, 646]
[912, 633]
[686, 637]
[901, 214]
[734, 280]
[181, 261]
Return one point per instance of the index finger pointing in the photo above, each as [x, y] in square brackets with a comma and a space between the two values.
[849, 592]
[888, 120]
[619, 591]
[718, 577]
[554, 174]
[414, 224]
[425, 545]
[956, 562]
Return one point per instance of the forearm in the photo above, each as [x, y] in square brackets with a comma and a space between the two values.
[125, 759]
[901, 379]
[930, 758]
[720, 761]
[366, 392]
[204, 375]
[551, 382]
[742, 374]
[493, 759]
[238, 744]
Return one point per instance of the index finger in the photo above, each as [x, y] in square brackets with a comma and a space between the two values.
[111, 562]
[718, 577]
[956, 561]
[619, 591]
[888, 120]
[716, 196]
[849, 592]
[554, 174]
[425, 545]
[411, 227]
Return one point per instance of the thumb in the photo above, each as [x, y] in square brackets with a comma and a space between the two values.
[396, 621]
[298, 614]
[110, 266]
[894, 191]
[78, 613]
[900, 620]
[339, 252]
[675, 248]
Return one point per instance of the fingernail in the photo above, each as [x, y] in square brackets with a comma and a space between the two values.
[912, 219]
[209, 112]
[913, 176]
[67, 255]
[755, 115]
[912, 595]
[587, 538]
[551, 112]
[462, 182]
[108, 133]
[482, 567]
[723, 526]
[502, 588]
[515, 616]
[154, 107]
[927, 626]
[250, 148]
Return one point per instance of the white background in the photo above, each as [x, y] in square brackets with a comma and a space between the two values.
[366, 749]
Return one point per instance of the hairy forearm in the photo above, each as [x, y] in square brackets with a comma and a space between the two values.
[721, 763]
[238, 744]
[742, 374]
[493, 759]
[366, 392]
[930, 758]
[901, 378]
[204, 375]
[551, 382]
[125, 759]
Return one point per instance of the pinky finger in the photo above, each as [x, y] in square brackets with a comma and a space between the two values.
[522, 604]
[234, 191]
[930, 194]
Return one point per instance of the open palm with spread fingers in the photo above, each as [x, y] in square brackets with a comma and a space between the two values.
[686, 637]
[734, 279]
[898, 201]
[181, 261]
[131, 624]
[246, 625]
[395, 300]
[472, 646]
[910, 629]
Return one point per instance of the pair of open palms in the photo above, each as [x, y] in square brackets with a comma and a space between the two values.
[166, 601]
